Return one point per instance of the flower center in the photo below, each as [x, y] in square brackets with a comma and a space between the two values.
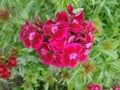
[54, 29]
[12, 61]
[71, 39]
[43, 51]
[73, 56]
[96, 88]
[31, 35]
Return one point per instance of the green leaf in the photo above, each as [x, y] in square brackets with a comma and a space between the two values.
[114, 55]
[78, 10]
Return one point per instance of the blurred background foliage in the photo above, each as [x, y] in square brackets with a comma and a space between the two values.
[103, 66]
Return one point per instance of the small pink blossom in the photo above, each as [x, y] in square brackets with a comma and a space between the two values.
[30, 37]
[71, 54]
[44, 54]
[94, 87]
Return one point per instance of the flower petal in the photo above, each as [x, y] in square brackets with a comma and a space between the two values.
[37, 42]
[79, 18]
[62, 16]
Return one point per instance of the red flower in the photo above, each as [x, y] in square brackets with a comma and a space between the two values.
[48, 57]
[2, 69]
[30, 37]
[4, 73]
[71, 54]
[96, 87]
[12, 62]
[44, 54]
[92, 86]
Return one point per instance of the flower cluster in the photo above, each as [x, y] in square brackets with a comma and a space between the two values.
[63, 42]
[6, 65]
[92, 86]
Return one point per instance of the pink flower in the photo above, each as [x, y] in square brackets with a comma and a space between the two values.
[96, 87]
[45, 54]
[62, 17]
[12, 62]
[71, 54]
[48, 57]
[70, 9]
[56, 31]
[30, 37]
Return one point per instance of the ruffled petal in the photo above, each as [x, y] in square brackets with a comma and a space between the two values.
[62, 17]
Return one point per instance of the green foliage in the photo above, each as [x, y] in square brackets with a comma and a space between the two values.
[104, 57]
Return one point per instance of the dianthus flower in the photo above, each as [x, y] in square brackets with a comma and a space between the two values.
[12, 62]
[4, 73]
[94, 87]
[30, 37]
[63, 42]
